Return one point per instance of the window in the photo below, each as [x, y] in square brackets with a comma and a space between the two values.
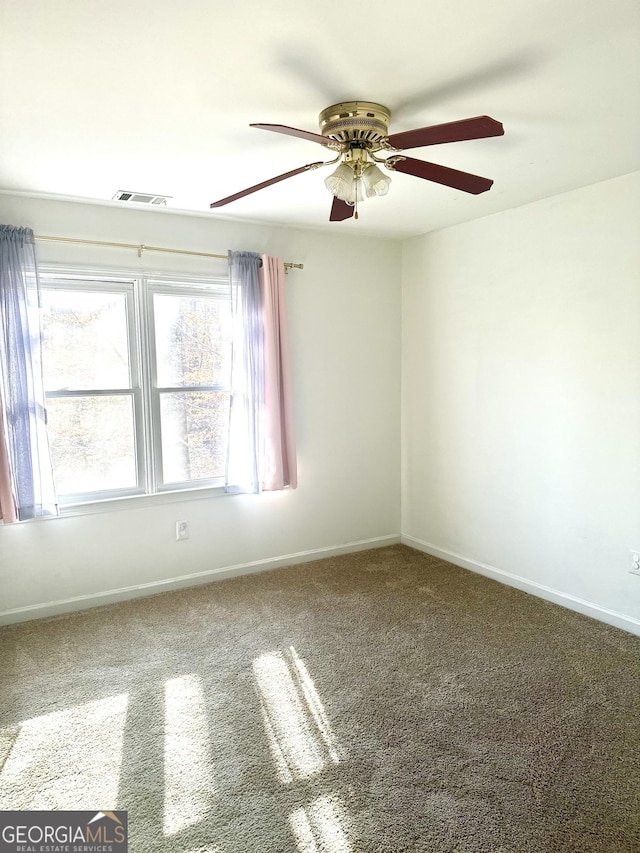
[136, 373]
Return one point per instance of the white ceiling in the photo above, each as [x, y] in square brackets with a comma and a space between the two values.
[157, 96]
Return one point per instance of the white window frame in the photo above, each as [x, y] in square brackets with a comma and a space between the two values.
[139, 289]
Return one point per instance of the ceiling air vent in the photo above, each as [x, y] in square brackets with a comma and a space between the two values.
[141, 198]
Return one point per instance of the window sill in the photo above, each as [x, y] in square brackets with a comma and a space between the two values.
[140, 501]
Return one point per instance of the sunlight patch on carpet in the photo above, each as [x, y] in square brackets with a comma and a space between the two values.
[297, 728]
[315, 705]
[321, 827]
[69, 759]
[188, 781]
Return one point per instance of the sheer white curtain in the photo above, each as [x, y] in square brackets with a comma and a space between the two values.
[247, 375]
[8, 508]
[26, 476]
[261, 451]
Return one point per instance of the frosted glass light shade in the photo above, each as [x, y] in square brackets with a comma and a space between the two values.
[343, 184]
[375, 182]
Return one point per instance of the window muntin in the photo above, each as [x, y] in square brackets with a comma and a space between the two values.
[137, 383]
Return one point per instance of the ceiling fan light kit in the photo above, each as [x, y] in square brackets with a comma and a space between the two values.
[341, 183]
[354, 174]
[358, 131]
[375, 183]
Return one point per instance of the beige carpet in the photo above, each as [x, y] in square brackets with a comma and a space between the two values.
[372, 703]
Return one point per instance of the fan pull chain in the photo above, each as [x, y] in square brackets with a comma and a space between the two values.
[355, 181]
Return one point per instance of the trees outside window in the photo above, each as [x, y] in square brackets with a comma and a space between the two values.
[136, 373]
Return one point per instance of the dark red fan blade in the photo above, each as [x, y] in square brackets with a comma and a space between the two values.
[443, 175]
[261, 186]
[293, 131]
[479, 127]
[340, 210]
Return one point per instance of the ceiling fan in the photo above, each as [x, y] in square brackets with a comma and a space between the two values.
[358, 131]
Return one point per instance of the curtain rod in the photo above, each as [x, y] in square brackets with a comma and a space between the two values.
[140, 248]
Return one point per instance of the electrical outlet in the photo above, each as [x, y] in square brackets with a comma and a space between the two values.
[182, 530]
[635, 563]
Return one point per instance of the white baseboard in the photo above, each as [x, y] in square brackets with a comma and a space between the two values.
[587, 608]
[97, 599]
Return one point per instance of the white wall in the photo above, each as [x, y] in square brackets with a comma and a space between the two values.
[344, 312]
[520, 405]
[521, 396]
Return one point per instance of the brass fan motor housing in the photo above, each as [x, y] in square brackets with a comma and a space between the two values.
[356, 122]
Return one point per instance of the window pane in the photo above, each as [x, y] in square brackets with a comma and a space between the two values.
[92, 443]
[85, 340]
[192, 340]
[194, 434]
